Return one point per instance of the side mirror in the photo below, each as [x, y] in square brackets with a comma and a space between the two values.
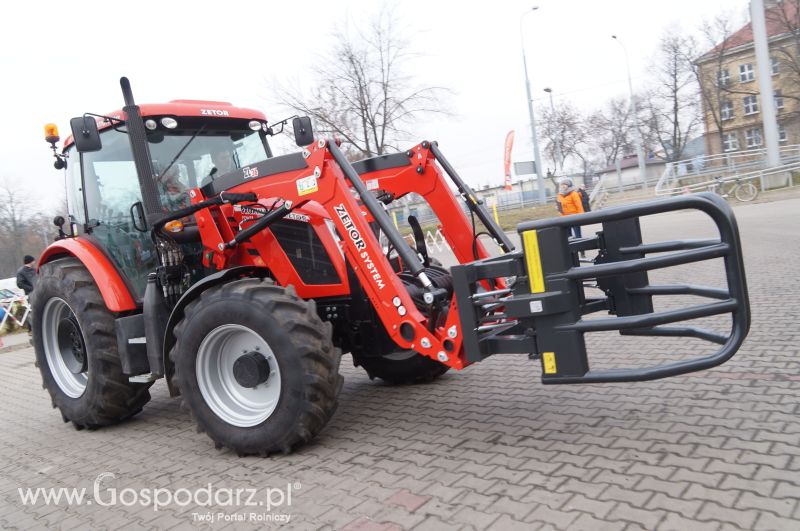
[85, 134]
[303, 134]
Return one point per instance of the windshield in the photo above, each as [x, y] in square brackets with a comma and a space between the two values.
[209, 151]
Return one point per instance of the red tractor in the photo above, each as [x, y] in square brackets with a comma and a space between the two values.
[194, 254]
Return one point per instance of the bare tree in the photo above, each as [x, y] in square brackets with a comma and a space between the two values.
[22, 229]
[785, 16]
[715, 86]
[670, 107]
[612, 130]
[363, 94]
[14, 206]
[564, 128]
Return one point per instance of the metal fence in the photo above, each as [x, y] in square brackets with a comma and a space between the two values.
[699, 172]
[784, 175]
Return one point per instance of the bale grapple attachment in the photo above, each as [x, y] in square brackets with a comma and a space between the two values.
[546, 311]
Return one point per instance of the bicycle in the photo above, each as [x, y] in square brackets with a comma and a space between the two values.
[743, 190]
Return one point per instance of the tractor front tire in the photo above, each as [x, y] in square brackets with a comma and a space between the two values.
[76, 349]
[256, 367]
[401, 367]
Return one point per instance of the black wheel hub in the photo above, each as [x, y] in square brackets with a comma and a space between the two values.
[251, 369]
[71, 345]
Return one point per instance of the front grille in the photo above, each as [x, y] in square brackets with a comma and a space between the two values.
[306, 252]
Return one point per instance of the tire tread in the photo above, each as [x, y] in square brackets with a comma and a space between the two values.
[117, 399]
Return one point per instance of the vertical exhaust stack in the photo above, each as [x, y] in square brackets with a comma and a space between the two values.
[137, 136]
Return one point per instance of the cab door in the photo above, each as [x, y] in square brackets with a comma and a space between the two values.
[112, 199]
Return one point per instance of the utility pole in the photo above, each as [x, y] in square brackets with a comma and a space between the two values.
[636, 130]
[536, 158]
[768, 113]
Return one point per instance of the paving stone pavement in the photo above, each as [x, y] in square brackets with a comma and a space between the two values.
[487, 448]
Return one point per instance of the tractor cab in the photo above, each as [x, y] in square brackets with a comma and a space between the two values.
[188, 143]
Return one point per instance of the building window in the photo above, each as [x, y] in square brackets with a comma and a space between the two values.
[753, 137]
[729, 142]
[750, 105]
[778, 100]
[781, 133]
[746, 73]
[726, 110]
[774, 64]
[723, 77]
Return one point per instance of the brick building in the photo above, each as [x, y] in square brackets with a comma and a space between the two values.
[730, 89]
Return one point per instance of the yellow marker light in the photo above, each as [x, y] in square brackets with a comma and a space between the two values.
[173, 226]
[534, 260]
[51, 133]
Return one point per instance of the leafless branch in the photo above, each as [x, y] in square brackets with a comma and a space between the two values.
[362, 93]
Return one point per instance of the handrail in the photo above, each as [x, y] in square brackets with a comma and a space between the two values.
[733, 162]
[729, 156]
[705, 186]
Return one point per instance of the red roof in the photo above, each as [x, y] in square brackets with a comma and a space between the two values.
[775, 14]
[212, 109]
[195, 108]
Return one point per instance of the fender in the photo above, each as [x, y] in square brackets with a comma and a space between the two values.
[220, 277]
[111, 285]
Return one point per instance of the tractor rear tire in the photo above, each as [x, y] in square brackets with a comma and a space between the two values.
[76, 349]
[256, 367]
[401, 368]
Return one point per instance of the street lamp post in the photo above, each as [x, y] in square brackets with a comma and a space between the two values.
[768, 110]
[557, 139]
[638, 132]
[536, 158]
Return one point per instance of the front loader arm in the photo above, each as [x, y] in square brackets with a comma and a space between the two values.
[422, 170]
[404, 323]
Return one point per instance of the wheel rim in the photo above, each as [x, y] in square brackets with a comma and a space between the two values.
[746, 192]
[235, 404]
[64, 348]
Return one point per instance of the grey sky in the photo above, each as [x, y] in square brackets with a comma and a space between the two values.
[59, 60]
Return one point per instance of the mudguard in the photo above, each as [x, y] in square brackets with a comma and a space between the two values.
[115, 292]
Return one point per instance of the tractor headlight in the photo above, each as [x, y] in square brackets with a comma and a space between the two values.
[150, 124]
[255, 125]
[169, 123]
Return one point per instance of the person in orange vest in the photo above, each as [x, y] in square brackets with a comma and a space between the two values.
[569, 202]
